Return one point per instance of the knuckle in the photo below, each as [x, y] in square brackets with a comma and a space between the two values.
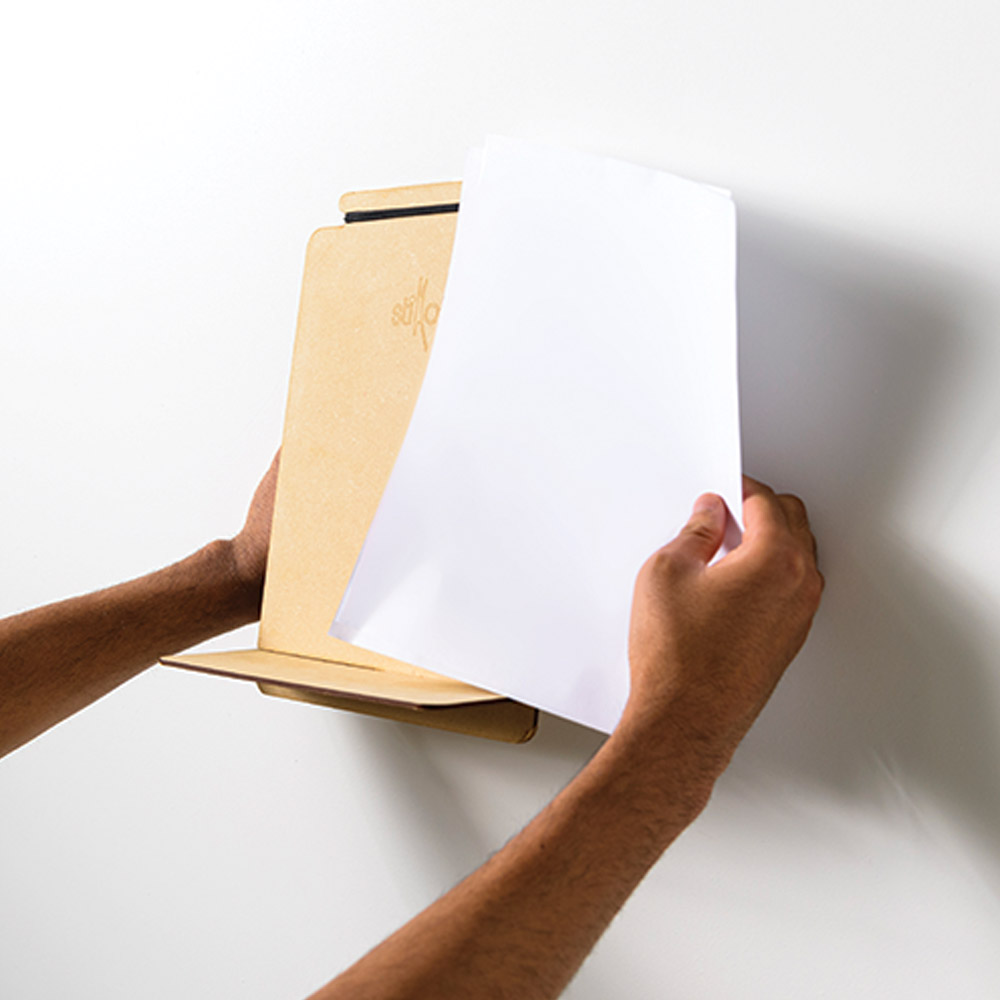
[791, 563]
[664, 565]
[795, 510]
[809, 589]
[795, 502]
[701, 530]
[660, 562]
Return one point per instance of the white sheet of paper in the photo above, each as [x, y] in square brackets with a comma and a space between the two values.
[581, 393]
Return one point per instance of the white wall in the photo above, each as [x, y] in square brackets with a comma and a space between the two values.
[161, 172]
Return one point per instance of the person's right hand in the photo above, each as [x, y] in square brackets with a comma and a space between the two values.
[708, 644]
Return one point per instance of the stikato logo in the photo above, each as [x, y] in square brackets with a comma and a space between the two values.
[417, 313]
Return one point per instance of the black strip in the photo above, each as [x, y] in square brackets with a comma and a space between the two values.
[370, 215]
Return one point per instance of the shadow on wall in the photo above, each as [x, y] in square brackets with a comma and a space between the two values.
[849, 362]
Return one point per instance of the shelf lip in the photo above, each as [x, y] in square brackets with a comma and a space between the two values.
[441, 192]
[375, 685]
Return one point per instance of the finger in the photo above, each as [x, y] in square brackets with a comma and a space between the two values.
[701, 537]
[795, 511]
[762, 511]
[752, 486]
[798, 521]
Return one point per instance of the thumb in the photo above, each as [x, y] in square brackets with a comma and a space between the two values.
[701, 537]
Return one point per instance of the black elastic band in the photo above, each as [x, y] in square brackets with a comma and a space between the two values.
[370, 215]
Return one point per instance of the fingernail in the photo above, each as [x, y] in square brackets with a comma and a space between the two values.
[708, 502]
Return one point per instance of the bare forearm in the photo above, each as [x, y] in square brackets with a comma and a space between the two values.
[707, 644]
[57, 659]
[521, 925]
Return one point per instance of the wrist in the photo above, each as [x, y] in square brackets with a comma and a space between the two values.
[239, 591]
[675, 758]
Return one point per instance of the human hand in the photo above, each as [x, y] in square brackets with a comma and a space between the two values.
[708, 644]
[249, 547]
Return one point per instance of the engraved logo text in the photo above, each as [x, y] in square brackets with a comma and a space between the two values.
[417, 313]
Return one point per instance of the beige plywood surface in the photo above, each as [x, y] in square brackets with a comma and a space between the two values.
[371, 296]
[370, 300]
[497, 719]
[445, 193]
[324, 676]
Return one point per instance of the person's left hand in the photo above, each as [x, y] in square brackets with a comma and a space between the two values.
[249, 547]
